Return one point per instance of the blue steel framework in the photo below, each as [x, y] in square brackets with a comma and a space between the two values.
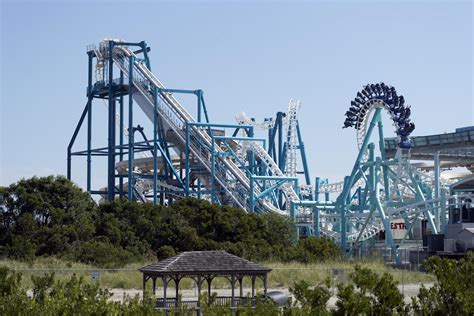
[114, 91]
[277, 149]
[358, 207]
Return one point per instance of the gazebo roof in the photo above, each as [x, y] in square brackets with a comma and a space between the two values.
[199, 262]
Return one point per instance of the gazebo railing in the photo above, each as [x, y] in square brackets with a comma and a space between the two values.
[227, 300]
[171, 302]
[215, 300]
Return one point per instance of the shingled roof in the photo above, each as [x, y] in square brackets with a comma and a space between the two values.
[194, 262]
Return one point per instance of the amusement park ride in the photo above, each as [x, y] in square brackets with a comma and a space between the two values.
[227, 164]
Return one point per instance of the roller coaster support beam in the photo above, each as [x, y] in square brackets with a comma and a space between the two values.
[111, 133]
[442, 210]
[121, 128]
[303, 154]
[420, 197]
[293, 211]
[89, 122]
[187, 153]
[437, 188]
[316, 220]
[347, 186]
[87, 111]
[155, 144]
[317, 184]
[280, 180]
[130, 132]
[343, 224]
[73, 140]
[383, 156]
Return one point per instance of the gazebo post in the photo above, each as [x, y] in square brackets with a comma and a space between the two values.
[253, 286]
[165, 286]
[154, 284]
[209, 281]
[265, 284]
[199, 284]
[144, 284]
[176, 282]
[241, 293]
[232, 284]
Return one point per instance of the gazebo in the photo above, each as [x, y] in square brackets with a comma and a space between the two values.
[204, 266]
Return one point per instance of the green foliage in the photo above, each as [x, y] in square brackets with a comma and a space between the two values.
[370, 294]
[314, 249]
[366, 294]
[103, 254]
[44, 216]
[310, 301]
[165, 251]
[52, 216]
[453, 293]
[75, 297]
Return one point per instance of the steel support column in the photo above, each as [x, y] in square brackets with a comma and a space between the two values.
[111, 133]
[130, 129]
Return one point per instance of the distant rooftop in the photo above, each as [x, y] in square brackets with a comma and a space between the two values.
[456, 149]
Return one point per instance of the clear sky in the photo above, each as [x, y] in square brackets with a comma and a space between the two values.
[246, 56]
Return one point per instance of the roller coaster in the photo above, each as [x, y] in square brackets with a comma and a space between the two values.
[227, 164]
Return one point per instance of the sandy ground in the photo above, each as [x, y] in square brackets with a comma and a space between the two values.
[409, 290]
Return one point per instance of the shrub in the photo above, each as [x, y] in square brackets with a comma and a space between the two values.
[311, 301]
[370, 294]
[453, 292]
[165, 252]
[104, 255]
[313, 249]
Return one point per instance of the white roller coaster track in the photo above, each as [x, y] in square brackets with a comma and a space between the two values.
[176, 117]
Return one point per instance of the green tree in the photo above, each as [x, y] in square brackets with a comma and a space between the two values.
[47, 214]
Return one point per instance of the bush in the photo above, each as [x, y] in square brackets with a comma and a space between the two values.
[453, 292]
[313, 249]
[370, 294]
[165, 252]
[103, 255]
[311, 301]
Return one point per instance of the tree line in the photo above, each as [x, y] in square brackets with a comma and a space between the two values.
[51, 216]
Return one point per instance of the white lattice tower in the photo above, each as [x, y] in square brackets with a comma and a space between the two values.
[291, 162]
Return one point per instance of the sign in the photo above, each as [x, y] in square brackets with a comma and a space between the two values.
[95, 276]
[398, 228]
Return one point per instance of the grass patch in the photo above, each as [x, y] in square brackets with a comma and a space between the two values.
[283, 274]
